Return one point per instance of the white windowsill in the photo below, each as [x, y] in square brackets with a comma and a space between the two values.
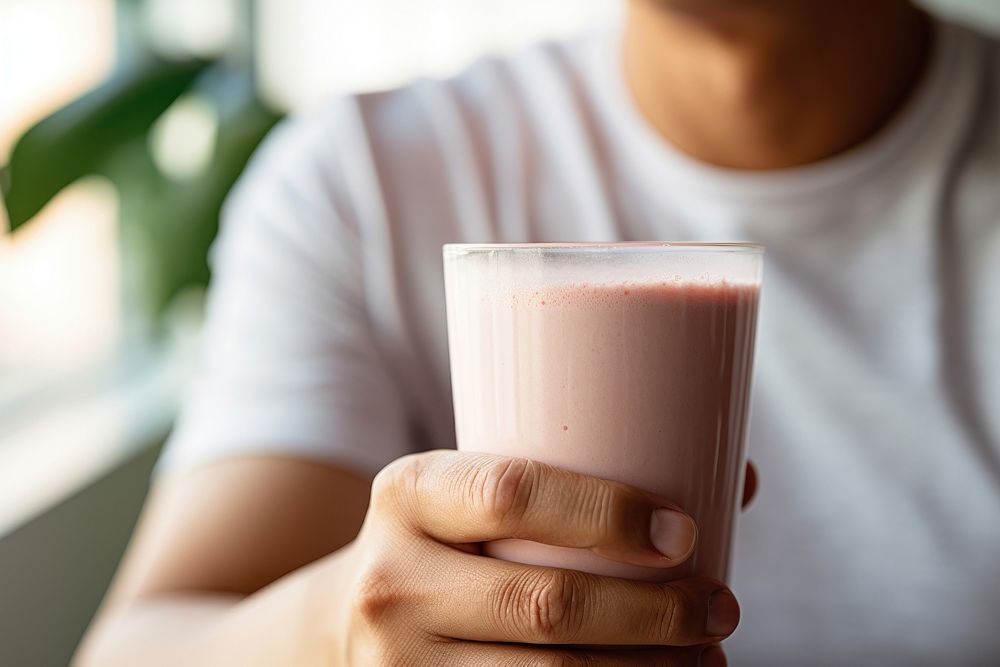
[64, 447]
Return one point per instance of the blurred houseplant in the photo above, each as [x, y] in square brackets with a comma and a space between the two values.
[167, 223]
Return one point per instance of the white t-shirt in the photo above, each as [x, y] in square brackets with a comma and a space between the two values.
[875, 539]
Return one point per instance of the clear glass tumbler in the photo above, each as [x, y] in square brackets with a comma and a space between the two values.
[630, 362]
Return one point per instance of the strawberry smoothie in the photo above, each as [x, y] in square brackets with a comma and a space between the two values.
[642, 381]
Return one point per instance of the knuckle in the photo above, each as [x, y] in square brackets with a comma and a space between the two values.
[377, 593]
[542, 606]
[670, 619]
[606, 509]
[400, 476]
[503, 489]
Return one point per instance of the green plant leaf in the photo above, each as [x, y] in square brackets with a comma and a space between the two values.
[175, 222]
[183, 229]
[74, 141]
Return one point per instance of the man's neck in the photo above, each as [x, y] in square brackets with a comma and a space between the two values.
[772, 84]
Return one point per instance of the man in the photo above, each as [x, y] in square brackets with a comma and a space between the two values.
[858, 140]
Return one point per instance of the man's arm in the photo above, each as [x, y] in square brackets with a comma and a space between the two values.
[411, 588]
[208, 544]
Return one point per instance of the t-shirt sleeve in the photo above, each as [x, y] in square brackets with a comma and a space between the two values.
[288, 364]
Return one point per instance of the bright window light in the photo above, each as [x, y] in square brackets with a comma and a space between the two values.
[183, 139]
[51, 51]
[59, 286]
[199, 27]
[59, 290]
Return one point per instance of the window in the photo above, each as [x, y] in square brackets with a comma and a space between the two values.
[50, 52]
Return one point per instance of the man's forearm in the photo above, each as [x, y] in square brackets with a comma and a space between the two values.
[157, 631]
[266, 628]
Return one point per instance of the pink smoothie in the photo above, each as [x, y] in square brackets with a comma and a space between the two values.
[644, 383]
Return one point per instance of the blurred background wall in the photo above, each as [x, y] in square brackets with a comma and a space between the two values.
[122, 125]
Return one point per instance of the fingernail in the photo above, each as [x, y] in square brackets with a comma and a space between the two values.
[723, 614]
[673, 534]
[712, 657]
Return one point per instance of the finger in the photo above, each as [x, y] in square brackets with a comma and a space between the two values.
[488, 600]
[750, 485]
[495, 655]
[461, 498]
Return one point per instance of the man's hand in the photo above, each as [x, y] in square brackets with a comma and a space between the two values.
[418, 592]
